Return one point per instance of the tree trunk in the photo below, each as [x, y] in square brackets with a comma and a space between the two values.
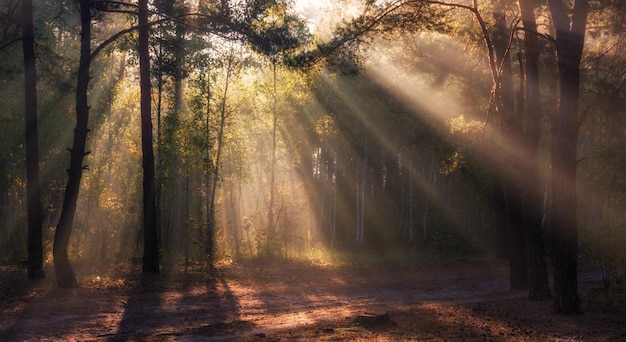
[410, 189]
[235, 213]
[361, 184]
[538, 288]
[62, 267]
[569, 44]
[158, 199]
[500, 219]
[271, 225]
[216, 168]
[511, 130]
[208, 248]
[33, 186]
[151, 243]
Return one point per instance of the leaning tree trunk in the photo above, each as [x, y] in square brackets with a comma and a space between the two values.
[33, 186]
[538, 288]
[570, 39]
[151, 243]
[63, 269]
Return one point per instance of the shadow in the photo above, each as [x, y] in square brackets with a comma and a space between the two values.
[177, 303]
[40, 310]
[119, 303]
[457, 301]
[297, 300]
[501, 320]
[15, 300]
[309, 287]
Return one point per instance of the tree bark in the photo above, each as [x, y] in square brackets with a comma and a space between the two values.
[570, 38]
[216, 168]
[158, 195]
[538, 288]
[151, 243]
[500, 219]
[271, 224]
[509, 185]
[33, 185]
[361, 185]
[62, 267]
[210, 207]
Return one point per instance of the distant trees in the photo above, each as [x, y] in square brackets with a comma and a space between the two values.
[601, 190]
[514, 167]
[522, 137]
[347, 151]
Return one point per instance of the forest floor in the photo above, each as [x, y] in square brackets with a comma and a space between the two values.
[455, 300]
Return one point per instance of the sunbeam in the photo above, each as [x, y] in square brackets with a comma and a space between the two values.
[313, 170]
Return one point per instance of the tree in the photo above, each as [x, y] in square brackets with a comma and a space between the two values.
[218, 155]
[570, 37]
[33, 186]
[62, 267]
[151, 243]
[508, 185]
[519, 187]
[274, 32]
[538, 274]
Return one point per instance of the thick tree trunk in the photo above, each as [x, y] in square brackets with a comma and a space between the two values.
[33, 186]
[517, 241]
[569, 43]
[151, 243]
[500, 218]
[538, 272]
[158, 195]
[63, 269]
[511, 179]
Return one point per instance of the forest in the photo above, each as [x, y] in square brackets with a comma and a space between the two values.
[313, 170]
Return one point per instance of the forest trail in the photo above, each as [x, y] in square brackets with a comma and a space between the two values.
[292, 301]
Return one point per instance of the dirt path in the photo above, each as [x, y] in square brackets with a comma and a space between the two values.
[296, 301]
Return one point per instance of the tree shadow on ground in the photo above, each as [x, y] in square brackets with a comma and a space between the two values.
[195, 302]
[301, 301]
[118, 303]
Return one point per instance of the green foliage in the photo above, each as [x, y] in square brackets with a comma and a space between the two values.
[407, 125]
[344, 52]
[274, 30]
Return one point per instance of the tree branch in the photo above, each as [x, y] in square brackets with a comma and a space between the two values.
[114, 37]
[177, 19]
[483, 27]
[540, 35]
[10, 42]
